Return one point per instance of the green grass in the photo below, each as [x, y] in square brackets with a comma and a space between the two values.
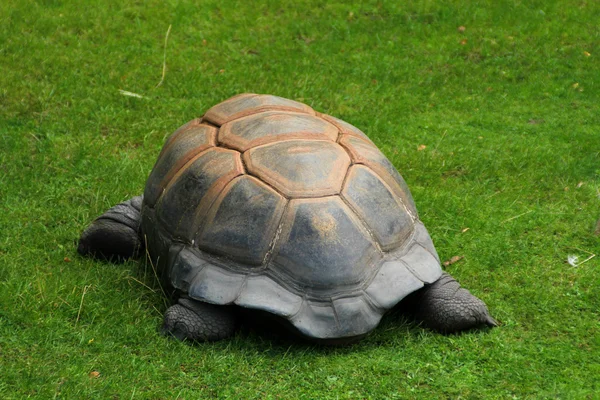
[510, 118]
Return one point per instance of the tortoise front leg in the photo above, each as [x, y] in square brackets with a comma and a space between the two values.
[116, 234]
[447, 307]
[198, 321]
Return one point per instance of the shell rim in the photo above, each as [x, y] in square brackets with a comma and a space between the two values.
[306, 316]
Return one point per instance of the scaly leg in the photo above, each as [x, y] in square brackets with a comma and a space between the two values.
[116, 234]
[447, 307]
[197, 321]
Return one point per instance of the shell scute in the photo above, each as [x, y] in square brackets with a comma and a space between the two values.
[250, 103]
[270, 126]
[422, 263]
[346, 128]
[191, 191]
[394, 281]
[261, 291]
[216, 285]
[375, 203]
[351, 309]
[369, 155]
[323, 245]
[187, 142]
[300, 168]
[243, 220]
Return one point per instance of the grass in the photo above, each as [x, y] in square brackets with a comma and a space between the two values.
[509, 112]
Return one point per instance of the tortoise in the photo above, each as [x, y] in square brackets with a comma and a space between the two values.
[265, 204]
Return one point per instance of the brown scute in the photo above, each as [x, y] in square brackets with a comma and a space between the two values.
[250, 103]
[270, 126]
[193, 124]
[362, 152]
[242, 222]
[193, 189]
[186, 143]
[300, 168]
[345, 127]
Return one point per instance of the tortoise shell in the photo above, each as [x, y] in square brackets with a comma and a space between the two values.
[266, 204]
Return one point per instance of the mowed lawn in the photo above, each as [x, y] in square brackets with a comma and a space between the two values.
[489, 109]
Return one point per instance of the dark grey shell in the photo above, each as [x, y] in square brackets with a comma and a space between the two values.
[266, 204]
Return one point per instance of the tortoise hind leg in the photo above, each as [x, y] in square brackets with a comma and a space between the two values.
[447, 307]
[197, 321]
[116, 234]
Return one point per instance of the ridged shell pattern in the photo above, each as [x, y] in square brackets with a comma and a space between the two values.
[267, 204]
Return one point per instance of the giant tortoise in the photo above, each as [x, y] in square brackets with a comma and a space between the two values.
[265, 204]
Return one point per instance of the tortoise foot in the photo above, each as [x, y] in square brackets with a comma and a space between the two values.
[197, 321]
[115, 235]
[447, 307]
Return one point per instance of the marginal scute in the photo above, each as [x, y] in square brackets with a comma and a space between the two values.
[249, 103]
[375, 203]
[194, 188]
[187, 142]
[184, 266]
[264, 293]
[270, 126]
[216, 285]
[422, 237]
[323, 245]
[243, 220]
[392, 283]
[316, 320]
[368, 154]
[422, 264]
[349, 310]
[300, 168]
